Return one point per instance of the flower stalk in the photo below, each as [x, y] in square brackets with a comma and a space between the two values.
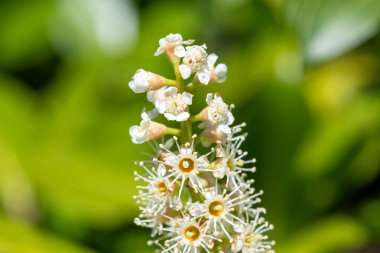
[195, 202]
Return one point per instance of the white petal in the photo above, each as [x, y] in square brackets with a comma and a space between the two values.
[187, 98]
[151, 96]
[183, 116]
[160, 106]
[211, 60]
[140, 81]
[188, 42]
[144, 115]
[179, 51]
[137, 87]
[173, 37]
[171, 90]
[185, 71]
[153, 114]
[224, 129]
[230, 118]
[221, 72]
[204, 76]
[209, 98]
[161, 170]
[132, 130]
[170, 116]
[159, 51]
[162, 42]
[137, 135]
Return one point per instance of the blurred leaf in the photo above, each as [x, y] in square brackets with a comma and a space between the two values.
[329, 28]
[332, 141]
[18, 45]
[85, 28]
[369, 214]
[17, 237]
[333, 234]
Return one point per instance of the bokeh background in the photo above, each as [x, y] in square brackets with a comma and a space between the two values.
[304, 75]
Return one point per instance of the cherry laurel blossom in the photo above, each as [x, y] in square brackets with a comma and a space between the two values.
[195, 202]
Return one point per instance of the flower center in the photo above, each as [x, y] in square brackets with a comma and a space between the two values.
[251, 238]
[231, 164]
[218, 112]
[216, 208]
[186, 165]
[191, 233]
[161, 188]
[175, 105]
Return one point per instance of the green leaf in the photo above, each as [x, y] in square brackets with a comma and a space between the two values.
[329, 28]
[17, 237]
[333, 234]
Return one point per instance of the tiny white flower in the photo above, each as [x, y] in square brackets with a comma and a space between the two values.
[161, 94]
[218, 208]
[185, 165]
[251, 237]
[172, 42]
[195, 61]
[155, 197]
[218, 73]
[218, 111]
[170, 103]
[147, 130]
[188, 235]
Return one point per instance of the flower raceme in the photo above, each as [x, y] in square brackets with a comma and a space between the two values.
[195, 202]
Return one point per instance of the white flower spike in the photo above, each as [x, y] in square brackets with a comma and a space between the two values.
[195, 202]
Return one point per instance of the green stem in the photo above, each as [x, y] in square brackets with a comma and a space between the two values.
[170, 82]
[186, 126]
[196, 118]
[173, 131]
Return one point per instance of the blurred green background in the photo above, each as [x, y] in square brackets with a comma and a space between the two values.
[304, 75]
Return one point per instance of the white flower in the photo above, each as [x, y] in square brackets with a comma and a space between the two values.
[218, 112]
[218, 73]
[147, 130]
[161, 94]
[155, 197]
[217, 209]
[171, 103]
[185, 165]
[231, 161]
[251, 238]
[195, 61]
[188, 235]
[143, 81]
[172, 42]
[195, 202]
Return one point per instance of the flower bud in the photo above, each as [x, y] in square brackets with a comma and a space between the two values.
[213, 133]
[147, 130]
[172, 46]
[144, 81]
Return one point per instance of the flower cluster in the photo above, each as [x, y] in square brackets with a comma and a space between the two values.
[195, 202]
